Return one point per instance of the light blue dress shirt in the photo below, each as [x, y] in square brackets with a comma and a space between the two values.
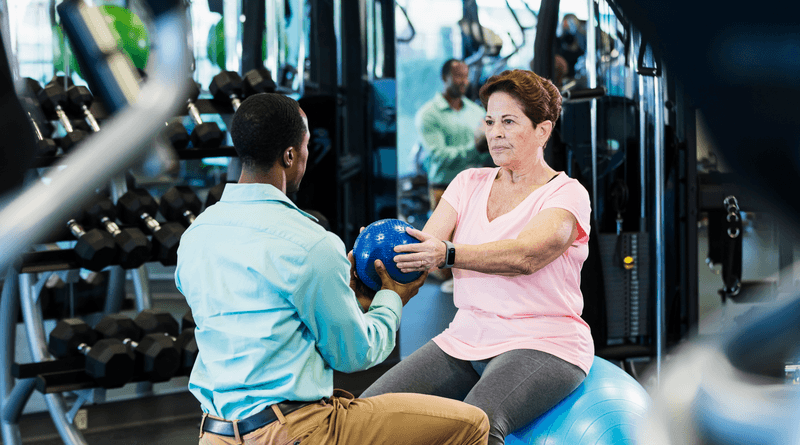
[269, 291]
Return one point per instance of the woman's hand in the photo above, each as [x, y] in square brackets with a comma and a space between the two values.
[429, 253]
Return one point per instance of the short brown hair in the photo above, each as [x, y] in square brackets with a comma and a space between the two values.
[540, 99]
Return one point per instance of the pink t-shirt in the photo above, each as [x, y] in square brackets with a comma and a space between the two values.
[540, 311]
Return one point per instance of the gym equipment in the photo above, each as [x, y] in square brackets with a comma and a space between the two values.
[227, 86]
[605, 409]
[133, 247]
[181, 204]
[377, 242]
[176, 133]
[79, 99]
[126, 28]
[156, 322]
[108, 361]
[45, 146]
[157, 355]
[187, 322]
[258, 80]
[52, 99]
[95, 248]
[214, 194]
[205, 134]
[138, 207]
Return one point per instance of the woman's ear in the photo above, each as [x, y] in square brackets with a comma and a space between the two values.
[546, 127]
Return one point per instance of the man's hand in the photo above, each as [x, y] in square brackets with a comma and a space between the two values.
[364, 294]
[405, 291]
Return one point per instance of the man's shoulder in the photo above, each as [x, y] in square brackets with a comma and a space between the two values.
[434, 104]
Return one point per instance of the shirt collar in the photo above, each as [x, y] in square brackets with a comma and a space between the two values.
[258, 192]
[441, 102]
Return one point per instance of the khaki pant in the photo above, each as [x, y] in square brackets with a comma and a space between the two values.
[385, 419]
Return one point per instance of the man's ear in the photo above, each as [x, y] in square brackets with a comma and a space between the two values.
[288, 157]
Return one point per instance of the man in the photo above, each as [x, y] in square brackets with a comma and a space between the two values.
[277, 311]
[451, 129]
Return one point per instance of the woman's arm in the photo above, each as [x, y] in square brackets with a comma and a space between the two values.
[546, 237]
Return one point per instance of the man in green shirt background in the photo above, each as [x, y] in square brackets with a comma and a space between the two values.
[451, 129]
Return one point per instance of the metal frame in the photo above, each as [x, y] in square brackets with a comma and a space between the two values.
[35, 210]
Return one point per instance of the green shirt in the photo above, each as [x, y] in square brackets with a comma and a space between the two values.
[449, 137]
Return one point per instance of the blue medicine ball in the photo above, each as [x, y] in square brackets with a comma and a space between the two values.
[377, 242]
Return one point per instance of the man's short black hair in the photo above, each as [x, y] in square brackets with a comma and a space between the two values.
[448, 67]
[264, 126]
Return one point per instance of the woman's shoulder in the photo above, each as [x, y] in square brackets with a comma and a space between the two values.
[565, 184]
[472, 177]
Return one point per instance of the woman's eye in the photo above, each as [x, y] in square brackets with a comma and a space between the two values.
[508, 121]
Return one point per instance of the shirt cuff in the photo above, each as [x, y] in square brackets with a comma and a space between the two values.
[388, 299]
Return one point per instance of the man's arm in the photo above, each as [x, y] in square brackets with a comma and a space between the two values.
[348, 339]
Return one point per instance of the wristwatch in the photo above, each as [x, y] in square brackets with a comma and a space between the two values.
[449, 255]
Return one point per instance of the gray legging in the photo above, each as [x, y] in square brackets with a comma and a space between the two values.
[512, 388]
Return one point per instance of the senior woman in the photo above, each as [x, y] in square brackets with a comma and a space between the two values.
[516, 238]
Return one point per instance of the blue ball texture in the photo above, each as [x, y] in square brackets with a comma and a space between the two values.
[606, 409]
[377, 242]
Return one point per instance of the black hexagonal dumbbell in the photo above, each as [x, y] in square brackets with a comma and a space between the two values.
[138, 207]
[44, 146]
[187, 322]
[79, 99]
[181, 204]
[150, 336]
[133, 247]
[95, 248]
[227, 86]
[258, 80]
[176, 134]
[52, 100]
[108, 361]
[155, 322]
[205, 134]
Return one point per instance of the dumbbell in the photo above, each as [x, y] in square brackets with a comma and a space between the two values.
[205, 134]
[227, 86]
[62, 81]
[79, 99]
[181, 204]
[214, 194]
[258, 80]
[155, 322]
[187, 322]
[108, 361]
[138, 207]
[52, 99]
[44, 146]
[151, 338]
[95, 248]
[133, 247]
[176, 133]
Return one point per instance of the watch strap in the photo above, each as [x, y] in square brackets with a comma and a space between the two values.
[449, 255]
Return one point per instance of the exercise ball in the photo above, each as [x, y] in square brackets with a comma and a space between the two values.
[607, 408]
[377, 242]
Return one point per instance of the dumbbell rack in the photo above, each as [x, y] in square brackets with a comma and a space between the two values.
[22, 286]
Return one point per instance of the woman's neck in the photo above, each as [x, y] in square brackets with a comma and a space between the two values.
[536, 173]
